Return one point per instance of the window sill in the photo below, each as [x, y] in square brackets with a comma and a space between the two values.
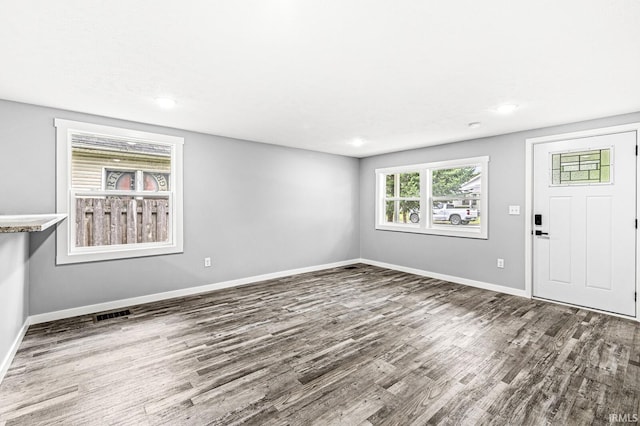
[415, 229]
[96, 254]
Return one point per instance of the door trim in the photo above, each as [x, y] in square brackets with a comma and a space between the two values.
[528, 203]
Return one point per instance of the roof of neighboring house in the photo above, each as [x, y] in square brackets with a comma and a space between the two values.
[119, 144]
[472, 185]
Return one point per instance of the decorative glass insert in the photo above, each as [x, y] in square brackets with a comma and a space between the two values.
[571, 168]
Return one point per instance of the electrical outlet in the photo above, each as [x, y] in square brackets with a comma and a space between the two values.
[500, 263]
[207, 262]
[514, 210]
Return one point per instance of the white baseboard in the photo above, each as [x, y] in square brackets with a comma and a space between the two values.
[8, 358]
[451, 278]
[116, 304]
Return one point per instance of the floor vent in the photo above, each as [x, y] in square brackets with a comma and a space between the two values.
[350, 267]
[109, 315]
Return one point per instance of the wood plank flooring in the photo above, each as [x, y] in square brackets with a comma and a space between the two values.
[364, 346]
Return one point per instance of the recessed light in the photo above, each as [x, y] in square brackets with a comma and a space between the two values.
[117, 160]
[357, 142]
[166, 103]
[131, 143]
[474, 125]
[506, 108]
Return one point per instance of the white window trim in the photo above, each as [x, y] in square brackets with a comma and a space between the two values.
[425, 226]
[66, 252]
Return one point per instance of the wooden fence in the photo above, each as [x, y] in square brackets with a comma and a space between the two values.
[122, 220]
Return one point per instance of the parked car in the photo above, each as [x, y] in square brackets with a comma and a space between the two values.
[461, 215]
[414, 217]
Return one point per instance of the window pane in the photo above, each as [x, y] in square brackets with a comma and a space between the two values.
[105, 163]
[456, 197]
[456, 212]
[410, 184]
[409, 212]
[455, 181]
[155, 181]
[402, 211]
[119, 180]
[389, 212]
[390, 185]
[103, 221]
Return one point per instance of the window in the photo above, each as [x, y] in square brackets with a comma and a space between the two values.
[454, 191]
[582, 167]
[121, 190]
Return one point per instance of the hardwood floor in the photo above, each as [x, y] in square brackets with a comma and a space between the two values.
[342, 346]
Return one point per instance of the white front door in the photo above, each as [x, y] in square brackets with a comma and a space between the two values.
[584, 243]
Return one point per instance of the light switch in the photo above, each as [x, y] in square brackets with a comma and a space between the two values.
[514, 209]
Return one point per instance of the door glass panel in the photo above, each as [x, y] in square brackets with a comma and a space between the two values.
[579, 168]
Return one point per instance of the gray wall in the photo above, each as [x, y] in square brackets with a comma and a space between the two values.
[253, 208]
[463, 257]
[14, 289]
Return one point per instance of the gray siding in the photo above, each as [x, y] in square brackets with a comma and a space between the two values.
[87, 168]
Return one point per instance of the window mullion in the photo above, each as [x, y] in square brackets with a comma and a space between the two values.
[111, 193]
[139, 181]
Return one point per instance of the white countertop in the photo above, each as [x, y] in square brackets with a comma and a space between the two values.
[29, 222]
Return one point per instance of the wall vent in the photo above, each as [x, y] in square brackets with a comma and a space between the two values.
[108, 315]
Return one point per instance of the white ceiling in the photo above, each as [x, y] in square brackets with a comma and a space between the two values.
[317, 74]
